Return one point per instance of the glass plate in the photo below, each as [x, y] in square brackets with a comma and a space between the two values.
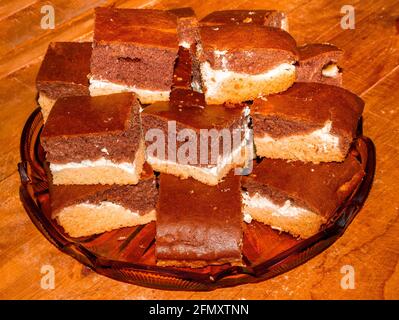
[127, 254]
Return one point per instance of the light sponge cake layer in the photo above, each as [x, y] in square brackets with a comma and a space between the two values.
[317, 146]
[207, 175]
[100, 171]
[287, 217]
[102, 87]
[85, 219]
[225, 85]
[46, 104]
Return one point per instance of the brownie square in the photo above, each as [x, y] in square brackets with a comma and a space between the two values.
[197, 224]
[83, 210]
[203, 131]
[134, 50]
[242, 62]
[94, 140]
[310, 122]
[63, 72]
[299, 197]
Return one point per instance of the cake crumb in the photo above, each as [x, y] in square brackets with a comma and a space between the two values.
[247, 218]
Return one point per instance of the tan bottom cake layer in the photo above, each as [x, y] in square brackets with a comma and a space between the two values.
[101, 87]
[204, 175]
[86, 219]
[316, 148]
[46, 104]
[304, 225]
[222, 86]
[101, 174]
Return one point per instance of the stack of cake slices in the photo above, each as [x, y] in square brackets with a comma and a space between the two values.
[200, 126]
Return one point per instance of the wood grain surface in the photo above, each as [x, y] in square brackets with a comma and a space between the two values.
[371, 69]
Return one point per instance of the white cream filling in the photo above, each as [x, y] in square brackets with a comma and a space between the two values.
[213, 78]
[102, 162]
[323, 135]
[330, 71]
[213, 171]
[261, 202]
[247, 217]
[284, 24]
[184, 44]
[110, 87]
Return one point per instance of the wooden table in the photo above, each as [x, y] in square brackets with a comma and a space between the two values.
[371, 69]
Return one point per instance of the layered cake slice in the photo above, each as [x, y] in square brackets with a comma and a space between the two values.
[187, 138]
[83, 210]
[94, 140]
[134, 50]
[318, 62]
[308, 122]
[268, 18]
[299, 197]
[64, 72]
[242, 62]
[187, 26]
[197, 224]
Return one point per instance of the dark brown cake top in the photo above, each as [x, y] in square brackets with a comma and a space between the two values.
[135, 197]
[185, 12]
[259, 17]
[313, 104]
[320, 188]
[188, 107]
[312, 50]
[85, 115]
[247, 37]
[199, 222]
[66, 62]
[140, 26]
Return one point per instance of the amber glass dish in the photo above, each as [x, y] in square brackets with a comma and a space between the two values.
[127, 254]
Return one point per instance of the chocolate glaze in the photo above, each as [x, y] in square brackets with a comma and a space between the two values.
[320, 188]
[268, 18]
[64, 69]
[305, 107]
[196, 116]
[139, 26]
[246, 48]
[189, 111]
[140, 198]
[79, 128]
[313, 58]
[197, 222]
